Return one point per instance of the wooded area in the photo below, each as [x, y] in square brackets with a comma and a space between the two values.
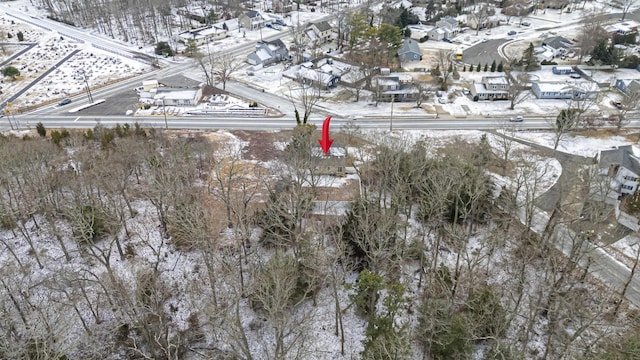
[128, 243]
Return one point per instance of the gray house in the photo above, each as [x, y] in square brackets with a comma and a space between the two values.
[397, 87]
[268, 52]
[565, 90]
[409, 51]
[251, 20]
[628, 87]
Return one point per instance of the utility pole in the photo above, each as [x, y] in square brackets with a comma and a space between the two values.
[88, 89]
[164, 111]
[393, 96]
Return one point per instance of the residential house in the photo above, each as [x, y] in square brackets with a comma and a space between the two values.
[396, 87]
[564, 89]
[621, 166]
[251, 20]
[332, 163]
[319, 33]
[324, 73]
[437, 34]
[282, 6]
[628, 87]
[168, 96]
[402, 4]
[409, 51]
[450, 24]
[553, 47]
[203, 35]
[268, 52]
[562, 70]
[491, 88]
[229, 25]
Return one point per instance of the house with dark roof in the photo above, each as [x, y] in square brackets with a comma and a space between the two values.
[409, 51]
[320, 32]
[449, 23]
[268, 52]
[628, 87]
[621, 167]
[251, 20]
[554, 47]
[396, 87]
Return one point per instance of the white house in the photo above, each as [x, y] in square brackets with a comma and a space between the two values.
[437, 34]
[621, 167]
[166, 96]
[449, 23]
[565, 89]
[491, 88]
[553, 47]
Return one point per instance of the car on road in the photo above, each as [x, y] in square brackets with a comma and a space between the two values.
[64, 102]
[525, 23]
[485, 40]
[512, 32]
[517, 119]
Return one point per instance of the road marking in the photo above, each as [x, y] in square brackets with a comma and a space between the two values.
[76, 119]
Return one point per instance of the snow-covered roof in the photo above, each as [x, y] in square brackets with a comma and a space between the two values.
[495, 80]
[176, 94]
[586, 86]
[262, 54]
[481, 89]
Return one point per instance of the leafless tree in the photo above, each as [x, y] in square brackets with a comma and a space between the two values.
[306, 93]
[444, 61]
[480, 15]
[624, 5]
[591, 33]
[518, 88]
[630, 102]
[223, 66]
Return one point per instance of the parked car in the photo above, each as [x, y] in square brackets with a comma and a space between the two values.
[447, 40]
[517, 119]
[485, 40]
[64, 102]
[525, 23]
[440, 93]
[512, 32]
[442, 100]
[280, 22]
[575, 76]
[617, 104]
[466, 92]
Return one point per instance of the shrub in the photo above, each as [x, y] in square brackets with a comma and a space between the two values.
[20, 36]
[41, 130]
[163, 48]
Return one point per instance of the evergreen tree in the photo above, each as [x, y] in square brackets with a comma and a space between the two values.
[478, 67]
[493, 66]
[407, 32]
[529, 59]
[464, 68]
[486, 67]
[20, 36]
[41, 130]
[500, 67]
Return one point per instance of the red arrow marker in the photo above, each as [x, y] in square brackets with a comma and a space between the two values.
[325, 142]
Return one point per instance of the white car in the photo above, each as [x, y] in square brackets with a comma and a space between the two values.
[442, 100]
[517, 119]
[485, 40]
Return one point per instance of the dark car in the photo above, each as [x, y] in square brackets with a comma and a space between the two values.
[64, 102]
[446, 40]
[280, 22]
[512, 32]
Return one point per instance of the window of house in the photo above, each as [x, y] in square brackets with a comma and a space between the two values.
[627, 187]
[340, 169]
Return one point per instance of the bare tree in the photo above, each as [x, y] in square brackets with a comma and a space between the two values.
[591, 33]
[630, 102]
[518, 88]
[223, 66]
[480, 15]
[625, 5]
[445, 63]
[308, 94]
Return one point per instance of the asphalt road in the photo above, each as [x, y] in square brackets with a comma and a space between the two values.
[483, 53]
